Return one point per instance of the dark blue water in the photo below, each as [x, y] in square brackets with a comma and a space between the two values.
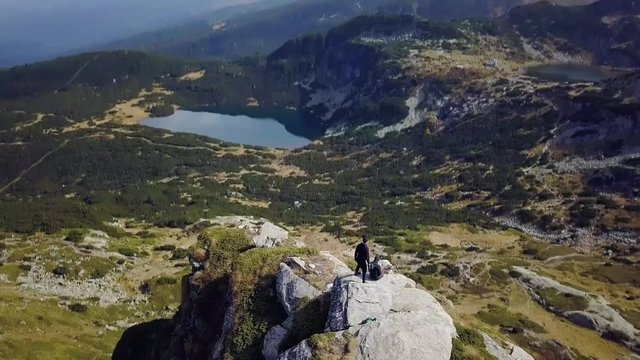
[571, 73]
[239, 129]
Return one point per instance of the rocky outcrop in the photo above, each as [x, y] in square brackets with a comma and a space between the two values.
[388, 318]
[292, 290]
[595, 314]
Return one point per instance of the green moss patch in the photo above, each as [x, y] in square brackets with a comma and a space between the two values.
[469, 345]
[616, 274]
[12, 271]
[516, 322]
[427, 281]
[562, 301]
[330, 346]
[257, 309]
[252, 278]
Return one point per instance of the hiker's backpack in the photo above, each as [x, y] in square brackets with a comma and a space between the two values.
[375, 271]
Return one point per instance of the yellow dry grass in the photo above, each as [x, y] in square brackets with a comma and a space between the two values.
[128, 112]
[456, 235]
[193, 76]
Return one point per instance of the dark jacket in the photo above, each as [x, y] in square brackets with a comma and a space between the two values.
[362, 253]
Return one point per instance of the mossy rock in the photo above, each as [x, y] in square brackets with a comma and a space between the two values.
[257, 309]
[223, 240]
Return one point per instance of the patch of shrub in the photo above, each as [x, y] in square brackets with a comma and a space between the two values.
[165, 248]
[166, 280]
[74, 236]
[24, 267]
[562, 301]
[471, 337]
[78, 308]
[498, 274]
[515, 322]
[129, 252]
[428, 269]
[450, 271]
[179, 254]
[60, 271]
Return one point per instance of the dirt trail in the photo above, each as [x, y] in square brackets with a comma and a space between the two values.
[25, 171]
[84, 66]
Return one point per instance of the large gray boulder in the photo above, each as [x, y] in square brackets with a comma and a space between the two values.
[391, 318]
[292, 289]
[272, 342]
[302, 351]
[270, 235]
[352, 302]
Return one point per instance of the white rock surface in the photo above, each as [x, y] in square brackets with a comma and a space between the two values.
[408, 336]
[509, 352]
[353, 302]
[270, 235]
[339, 268]
[517, 353]
[292, 289]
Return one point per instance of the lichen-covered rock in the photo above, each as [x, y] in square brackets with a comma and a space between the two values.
[291, 289]
[272, 342]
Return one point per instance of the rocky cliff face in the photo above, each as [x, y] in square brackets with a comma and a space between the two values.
[606, 30]
[314, 307]
[384, 319]
[346, 73]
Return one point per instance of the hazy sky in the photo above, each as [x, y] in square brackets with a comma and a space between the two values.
[32, 29]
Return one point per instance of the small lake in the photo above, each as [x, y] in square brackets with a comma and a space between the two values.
[571, 73]
[280, 129]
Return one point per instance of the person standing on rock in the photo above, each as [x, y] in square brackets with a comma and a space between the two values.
[362, 257]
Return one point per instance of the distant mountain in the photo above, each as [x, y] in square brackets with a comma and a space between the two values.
[263, 30]
[607, 30]
[163, 40]
[34, 30]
